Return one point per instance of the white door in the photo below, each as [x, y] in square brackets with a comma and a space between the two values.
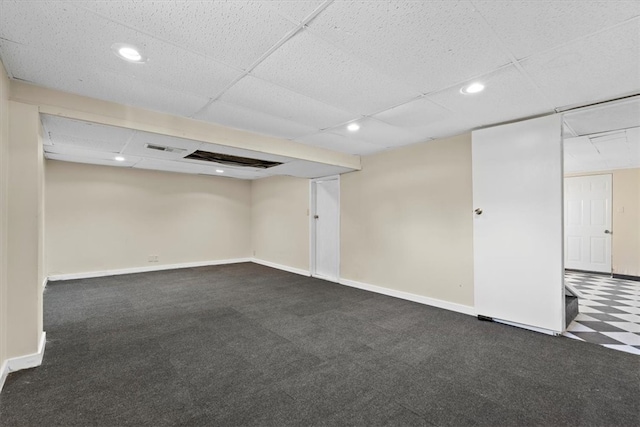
[587, 223]
[325, 226]
[517, 235]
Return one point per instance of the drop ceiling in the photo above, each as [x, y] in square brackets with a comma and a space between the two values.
[304, 70]
[602, 137]
[83, 142]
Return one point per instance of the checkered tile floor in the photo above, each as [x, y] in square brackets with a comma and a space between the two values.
[609, 312]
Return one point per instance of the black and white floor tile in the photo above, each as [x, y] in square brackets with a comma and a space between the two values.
[609, 312]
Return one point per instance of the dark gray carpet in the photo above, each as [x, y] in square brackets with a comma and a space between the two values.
[249, 345]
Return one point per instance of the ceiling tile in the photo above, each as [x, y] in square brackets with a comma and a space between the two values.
[236, 32]
[416, 113]
[74, 44]
[85, 135]
[507, 96]
[596, 68]
[295, 10]
[530, 27]
[232, 173]
[79, 152]
[428, 44]
[605, 118]
[167, 165]
[242, 118]
[335, 142]
[193, 168]
[305, 169]
[579, 145]
[450, 126]
[90, 160]
[375, 132]
[310, 66]
[271, 99]
[30, 65]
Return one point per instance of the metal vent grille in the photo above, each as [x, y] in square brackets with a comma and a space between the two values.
[229, 160]
[163, 148]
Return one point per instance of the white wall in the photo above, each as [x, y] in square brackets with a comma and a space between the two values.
[24, 237]
[4, 209]
[280, 221]
[108, 218]
[406, 222]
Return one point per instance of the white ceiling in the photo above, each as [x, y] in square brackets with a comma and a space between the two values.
[303, 70]
[84, 142]
[603, 137]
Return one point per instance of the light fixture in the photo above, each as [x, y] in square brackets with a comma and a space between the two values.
[119, 158]
[128, 52]
[219, 171]
[472, 88]
[353, 127]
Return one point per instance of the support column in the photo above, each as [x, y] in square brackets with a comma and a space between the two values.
[25, 273]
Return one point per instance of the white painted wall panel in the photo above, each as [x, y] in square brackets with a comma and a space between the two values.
[518, 249]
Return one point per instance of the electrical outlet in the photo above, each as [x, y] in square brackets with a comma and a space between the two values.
[153, 258]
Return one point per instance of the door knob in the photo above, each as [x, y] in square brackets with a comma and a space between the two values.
[478, 211]
[607, 232]
[316, 216]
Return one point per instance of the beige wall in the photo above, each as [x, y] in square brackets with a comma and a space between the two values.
[625, 242]
[24, 274]
[105, 218]
[280, 221]
[406, 220]
[4, 210]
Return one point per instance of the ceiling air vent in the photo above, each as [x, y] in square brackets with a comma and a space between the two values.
[229, 160]
[163, 148]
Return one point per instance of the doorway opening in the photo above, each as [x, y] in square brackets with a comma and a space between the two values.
[602, 222]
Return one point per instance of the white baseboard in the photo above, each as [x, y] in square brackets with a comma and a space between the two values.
[452, 306]
[527, 327]
[23, 362]
[4, 373]
[91, 274]
[281, 267]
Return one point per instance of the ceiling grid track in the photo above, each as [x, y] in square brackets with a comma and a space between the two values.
[302, 25]
[512, 58]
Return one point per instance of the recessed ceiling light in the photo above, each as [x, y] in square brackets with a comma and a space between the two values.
[128, 52]
[219, 171]
[353, 127]
[120, 159]
[472, 88]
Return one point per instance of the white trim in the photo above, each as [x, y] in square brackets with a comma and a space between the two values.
[528, 327]
[44, 283]
[24, 362]
[91, 274]
[312, 227]
[328, 279]
[281, 267]
[573, 290]
[451, 306]
[4, 373]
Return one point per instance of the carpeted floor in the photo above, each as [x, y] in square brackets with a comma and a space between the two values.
[249, 345]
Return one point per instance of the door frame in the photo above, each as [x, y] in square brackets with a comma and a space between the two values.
[312, 226]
